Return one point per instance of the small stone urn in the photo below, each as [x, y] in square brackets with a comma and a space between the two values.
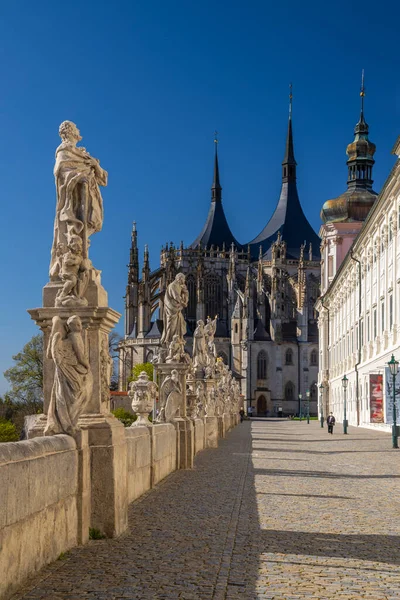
[142, 392]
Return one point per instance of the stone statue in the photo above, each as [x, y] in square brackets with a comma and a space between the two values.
[176, 299]
[200, 358]
[176, 351]
[200, 400]
[107, 366]
[74, 272]
[72, 376]
[210, 330]
[79, 210]
[170, 398]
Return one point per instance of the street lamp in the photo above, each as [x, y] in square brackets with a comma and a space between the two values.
[394, 369]
[345, 381]
[308, 406]
[321, 411]
[300, 397]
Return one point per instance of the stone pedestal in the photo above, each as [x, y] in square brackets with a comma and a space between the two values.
[105, 434]
[84, 496]
[221, 426]
[109, 494]
[211, 432]
[97, 323]
[185, 443]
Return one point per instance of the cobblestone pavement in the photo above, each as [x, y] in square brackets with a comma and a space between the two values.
[280, 511]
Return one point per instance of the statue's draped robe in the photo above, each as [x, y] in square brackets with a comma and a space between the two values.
[73, 215]
[200, 358]
[71, 388]
[174, 322]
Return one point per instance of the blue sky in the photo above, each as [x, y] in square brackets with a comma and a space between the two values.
[147, 82]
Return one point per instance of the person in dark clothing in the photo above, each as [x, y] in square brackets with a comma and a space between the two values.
[241, 413]
[330, 422]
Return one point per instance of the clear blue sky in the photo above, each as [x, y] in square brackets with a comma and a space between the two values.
[147, 82]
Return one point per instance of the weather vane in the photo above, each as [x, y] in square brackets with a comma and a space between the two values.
[216, 137]
[362, 92]
[290, 99]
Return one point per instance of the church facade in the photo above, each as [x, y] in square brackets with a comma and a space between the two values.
[263, 292]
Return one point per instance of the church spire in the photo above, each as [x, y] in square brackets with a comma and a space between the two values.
[216, 186]
[289, 163]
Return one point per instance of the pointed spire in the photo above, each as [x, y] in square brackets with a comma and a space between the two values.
[146, 264]
[289, 163]
[362, 127]
[216, 186]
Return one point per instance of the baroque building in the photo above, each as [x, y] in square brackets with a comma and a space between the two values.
[359, 307]
[263, 293]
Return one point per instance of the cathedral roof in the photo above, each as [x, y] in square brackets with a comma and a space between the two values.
[288, 218]
[216, 231]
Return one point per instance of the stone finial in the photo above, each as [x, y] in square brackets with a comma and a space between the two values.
[142, 392]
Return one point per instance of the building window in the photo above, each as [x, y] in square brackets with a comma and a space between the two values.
[368, 329]
[361, 334]
[390, 228]
[375, 324]
[330, 266]
[236, 328]
[289, 391]
[390, 312]
[192, 289]
[313, 391]
[262, 365]
[313, 358]
[213, 295]
[289, 356]
[383, 316]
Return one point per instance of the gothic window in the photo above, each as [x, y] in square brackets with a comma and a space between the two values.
[289, 356]
[262, 365]
[313, 358]
[213, 295]
[313, 391]
[289, 391]
[192, 289]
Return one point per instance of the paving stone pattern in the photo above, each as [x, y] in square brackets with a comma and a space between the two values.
[281, 510]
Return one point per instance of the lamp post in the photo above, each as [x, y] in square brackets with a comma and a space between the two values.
[308, 406]
[321, 412]
[300, 397]
[394, 369]
[345, 381]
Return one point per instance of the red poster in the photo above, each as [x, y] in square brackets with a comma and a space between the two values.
[376, 398]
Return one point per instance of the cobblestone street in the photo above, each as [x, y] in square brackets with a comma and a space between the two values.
[281, 510]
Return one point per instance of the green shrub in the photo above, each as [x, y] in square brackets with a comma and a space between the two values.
[305, 418]
[8, 431]
[124, 416]
[95, 534]
[137, 369]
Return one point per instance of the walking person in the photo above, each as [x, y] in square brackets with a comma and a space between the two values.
[241, 413]
[331, 422]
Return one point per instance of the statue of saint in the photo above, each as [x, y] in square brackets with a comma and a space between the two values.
[200, 357]
[72, 376]
[209, 329]
[170, 398]
[79, 210]
[175, 300]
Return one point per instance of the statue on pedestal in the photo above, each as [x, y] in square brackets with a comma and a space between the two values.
[175, 300]
[200, 358]
[170, 398]
[210, 329]
[79, 214]
[72, 377]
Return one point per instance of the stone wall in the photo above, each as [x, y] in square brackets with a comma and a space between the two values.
[139, 455]
[41, 506]
[51, 487]
[164, 451]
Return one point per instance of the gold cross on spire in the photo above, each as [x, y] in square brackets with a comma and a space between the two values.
[216, 137]
[290, 100]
